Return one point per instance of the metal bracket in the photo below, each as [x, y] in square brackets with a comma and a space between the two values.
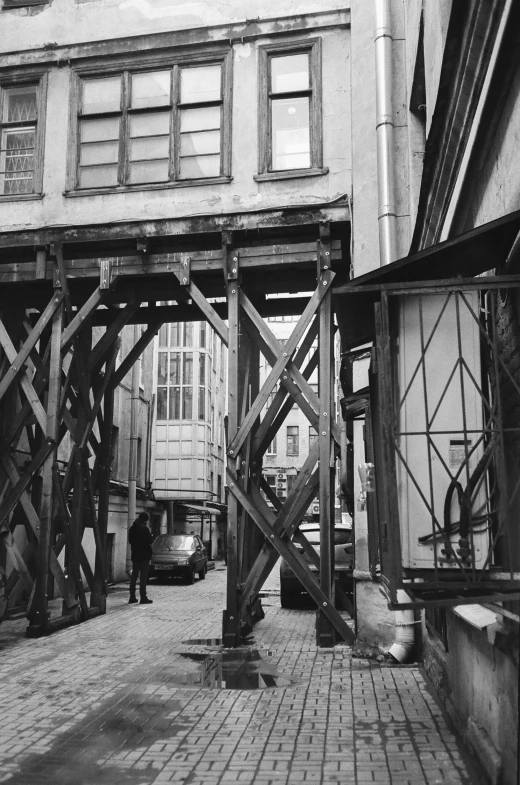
[185, 271]
[324, 257]
[143, 246]
[41, 263]
[230, 257]
[105, 273]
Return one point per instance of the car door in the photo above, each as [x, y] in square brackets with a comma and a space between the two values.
[199, 554]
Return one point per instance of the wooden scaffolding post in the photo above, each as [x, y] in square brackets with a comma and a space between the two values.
[39, 616]
[99, 593]
[231, 619]
[325, 632]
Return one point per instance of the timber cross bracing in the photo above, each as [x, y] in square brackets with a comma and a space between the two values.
[55, 382]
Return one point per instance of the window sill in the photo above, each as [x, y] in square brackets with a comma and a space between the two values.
[290, 175]
[20, 197]
[123, 189]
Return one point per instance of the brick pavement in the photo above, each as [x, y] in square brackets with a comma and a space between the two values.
[114, 702]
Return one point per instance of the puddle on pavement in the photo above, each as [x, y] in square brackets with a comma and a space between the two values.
[230, 669]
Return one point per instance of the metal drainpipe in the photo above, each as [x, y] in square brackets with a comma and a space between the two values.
[387, 217]
[385, 135]
[134, 435]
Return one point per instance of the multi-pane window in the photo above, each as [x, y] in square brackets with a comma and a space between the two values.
[313, 435]
[19, 110]
[174, 385]
[202, 386]
[293, 440]
[202, 335]
[157, 126]
[271, 450]
[290, 108]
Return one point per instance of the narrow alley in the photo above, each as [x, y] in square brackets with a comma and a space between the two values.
[133, 698]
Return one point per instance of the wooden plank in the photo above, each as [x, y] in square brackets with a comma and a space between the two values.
[17, 365]
[34, 521]
[107, 378]
[207, 310]
[289, 552]
[282, 403]
[284, 524]
[231, 618]
[25, 382]
[79, 318]
[25, 480]
[37, 613]
[284, 356]
[98, 353]
[136, 351]
[19, 564]
[324, 632]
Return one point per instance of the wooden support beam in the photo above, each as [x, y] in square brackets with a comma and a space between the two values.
[284, 524]
[12, 499]
[284, 356]
[25, 382]
[231, 637]
[17, 366]
[324, 629]
[283, 402]
[102, 347]
[135, 352]
[288, 551]
[39, 616]
[207, 310]
[80, 317]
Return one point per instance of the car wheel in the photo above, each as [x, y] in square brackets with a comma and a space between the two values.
[286, 597]
[191, 576]
[202, 573]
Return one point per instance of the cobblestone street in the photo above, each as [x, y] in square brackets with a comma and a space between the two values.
[121, 700]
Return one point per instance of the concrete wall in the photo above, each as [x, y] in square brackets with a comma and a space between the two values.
[477, 682]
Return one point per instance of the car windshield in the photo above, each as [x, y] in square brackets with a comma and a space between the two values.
[341, 536]
[175, 542]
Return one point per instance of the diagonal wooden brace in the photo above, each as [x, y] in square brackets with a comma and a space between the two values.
[283, 359]
[17, 365]
[25, 383]
[288, 551]
[206, 308]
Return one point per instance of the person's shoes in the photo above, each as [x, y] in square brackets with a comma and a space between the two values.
[133, 598]
[145, 601]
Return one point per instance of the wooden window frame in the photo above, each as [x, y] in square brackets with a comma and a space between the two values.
[311, 46]
[126, 67]
[27, 78]
[295, 444]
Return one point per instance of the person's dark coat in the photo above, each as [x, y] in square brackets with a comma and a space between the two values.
[140, 539]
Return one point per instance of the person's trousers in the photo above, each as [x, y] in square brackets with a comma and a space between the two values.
[139, 569]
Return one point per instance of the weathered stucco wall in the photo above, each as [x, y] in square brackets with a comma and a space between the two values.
[494, 187]
[243, 192]
[66, 22]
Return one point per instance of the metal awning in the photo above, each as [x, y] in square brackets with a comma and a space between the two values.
[482, 249]
[198, 508]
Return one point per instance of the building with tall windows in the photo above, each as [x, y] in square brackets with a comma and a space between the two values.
[190, 365]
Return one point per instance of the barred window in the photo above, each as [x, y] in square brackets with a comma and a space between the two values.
[19, 110]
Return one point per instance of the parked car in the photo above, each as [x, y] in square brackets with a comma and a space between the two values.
[292, 592]
[178, 555]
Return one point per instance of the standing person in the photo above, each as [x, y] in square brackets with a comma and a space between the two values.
[140, 539]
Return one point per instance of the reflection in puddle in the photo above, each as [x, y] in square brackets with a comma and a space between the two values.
[203, 642]
[232, 669]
